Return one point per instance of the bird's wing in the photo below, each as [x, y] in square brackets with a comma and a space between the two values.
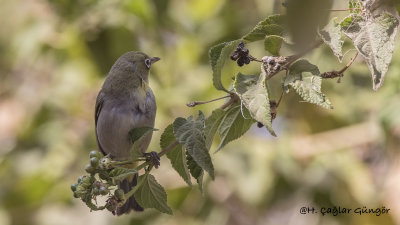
[98, 107]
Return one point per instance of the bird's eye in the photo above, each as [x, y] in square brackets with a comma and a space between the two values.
[148, 63]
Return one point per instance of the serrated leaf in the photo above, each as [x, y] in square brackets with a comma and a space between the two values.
[195, 170]
[309, 87]
[374, 39]
[272, 25]
[273, 43]
[176, 155]
[331, 35]
[212, 124]
[297, 69]
[218, 55]
[151, 194]
[190, 133]
[233, 126]
[254, 96]
[136, 135]
[118, 174]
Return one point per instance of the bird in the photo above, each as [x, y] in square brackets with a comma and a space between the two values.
[125, 102]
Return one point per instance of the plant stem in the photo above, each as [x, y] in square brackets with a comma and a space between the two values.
[349, 64]
[233, 99]
[131, 192]
[340, 10]
[193, 104]
[168, 148]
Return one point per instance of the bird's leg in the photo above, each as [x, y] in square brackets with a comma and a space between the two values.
[152, 157]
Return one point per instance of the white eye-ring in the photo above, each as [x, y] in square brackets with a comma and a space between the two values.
[148, 63]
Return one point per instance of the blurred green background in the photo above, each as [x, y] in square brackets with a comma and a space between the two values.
[56, 53]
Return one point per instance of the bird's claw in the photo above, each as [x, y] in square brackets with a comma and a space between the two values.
[153, 157]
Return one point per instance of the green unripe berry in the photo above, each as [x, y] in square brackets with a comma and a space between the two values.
[94, 153]
[119, 194]
[80, 179]
[90, 169]
[94, 161]
[73, 187]
[103, 190]
[76, 195]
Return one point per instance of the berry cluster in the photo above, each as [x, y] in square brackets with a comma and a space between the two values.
[241, 55]
[87, 188]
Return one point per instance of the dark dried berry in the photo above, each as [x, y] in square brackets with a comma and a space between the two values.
[235, 56]
[259, 125]
[240, 62]
[246, 60]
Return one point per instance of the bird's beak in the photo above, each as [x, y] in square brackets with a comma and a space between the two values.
[154, 59]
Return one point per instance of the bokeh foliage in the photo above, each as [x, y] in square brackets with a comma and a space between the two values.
[55, 55]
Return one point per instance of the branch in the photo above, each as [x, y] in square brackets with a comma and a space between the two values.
[168, 148]
[193, 104]
[340, 73]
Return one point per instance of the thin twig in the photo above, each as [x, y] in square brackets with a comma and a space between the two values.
[168, 148]
[193, 104]
[233, 99]
[252, 58]
[340, 10]
[280, 98]
[349, 64]
[340, 74]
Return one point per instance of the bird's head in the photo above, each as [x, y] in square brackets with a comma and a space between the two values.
[129, 70]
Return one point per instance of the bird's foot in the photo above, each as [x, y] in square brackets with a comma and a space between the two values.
[153, 158]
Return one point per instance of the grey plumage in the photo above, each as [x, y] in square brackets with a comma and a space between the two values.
[125, 102]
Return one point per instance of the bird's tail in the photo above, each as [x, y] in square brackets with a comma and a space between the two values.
[127, 185]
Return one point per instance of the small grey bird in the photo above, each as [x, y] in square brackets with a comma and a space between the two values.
[125, 102]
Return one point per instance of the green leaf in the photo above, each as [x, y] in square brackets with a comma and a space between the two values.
[301, 66]
[176, 155]
[297, 69]
[137, 134]
[212, 124]
[331, 35]
[233, 126]
[218, 55]
[151, 194]
[118, 174]
[309, 88]
[254, 95]
[190, 133]
[374, 39]
[195, 170]
[355, 5]
[272, 25]
[273, 43]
